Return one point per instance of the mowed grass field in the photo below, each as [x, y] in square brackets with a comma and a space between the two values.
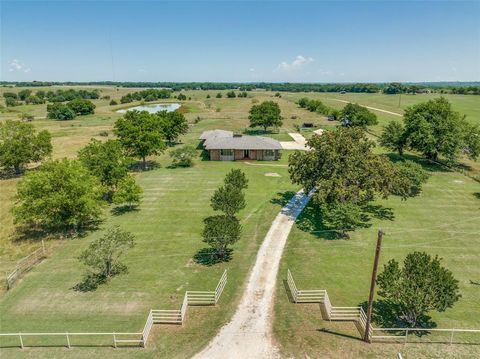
[161, 267]
[444, 220]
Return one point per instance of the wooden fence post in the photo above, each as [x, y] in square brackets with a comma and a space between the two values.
[21, 340]
[68, 341]
[406, 335]
[7, 281]
[43, 247]
[451, 336]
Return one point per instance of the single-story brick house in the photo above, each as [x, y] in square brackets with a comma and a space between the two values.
[227, 146]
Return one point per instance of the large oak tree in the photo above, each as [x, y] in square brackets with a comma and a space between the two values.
[21, 145]
[140, 134]
[267, 114]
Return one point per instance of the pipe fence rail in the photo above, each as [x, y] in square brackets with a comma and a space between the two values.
[119, 339]
[24, 265]
[358, 316]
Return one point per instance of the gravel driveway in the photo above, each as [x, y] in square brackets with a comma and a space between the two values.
[249, 334]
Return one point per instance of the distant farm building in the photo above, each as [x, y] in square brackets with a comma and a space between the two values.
[226, 146]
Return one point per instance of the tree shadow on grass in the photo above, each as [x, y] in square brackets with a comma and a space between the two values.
[149, 166]
[6, 174]
[426, 164]
[384, 314]
[90, 283]
[477, 195]
[34, 233]
[379, 212]
[91, 280]
[282, 198]
[119, 210]
[310, 220]
[209, 256]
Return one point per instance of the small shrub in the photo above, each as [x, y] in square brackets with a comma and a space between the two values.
[113, 103]
[103, 133]
[183, 156]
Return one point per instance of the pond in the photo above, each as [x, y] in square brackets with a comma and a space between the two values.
[169, 107]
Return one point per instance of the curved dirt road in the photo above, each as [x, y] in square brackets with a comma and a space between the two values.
[371, 108]
[249, 334]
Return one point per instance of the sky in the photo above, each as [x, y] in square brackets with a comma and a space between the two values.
[241, 41]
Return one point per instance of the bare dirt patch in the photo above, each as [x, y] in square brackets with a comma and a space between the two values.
[272, 174]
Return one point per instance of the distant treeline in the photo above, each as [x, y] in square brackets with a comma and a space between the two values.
[146, 95]
[40, 96]
[471, 88]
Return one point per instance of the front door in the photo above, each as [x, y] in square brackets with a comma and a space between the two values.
[246, 153]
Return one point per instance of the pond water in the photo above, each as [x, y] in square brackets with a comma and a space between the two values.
[169, 107]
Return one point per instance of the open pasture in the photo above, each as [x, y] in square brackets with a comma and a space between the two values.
[443, 220]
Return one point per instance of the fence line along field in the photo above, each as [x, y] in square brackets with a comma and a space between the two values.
[168, 224]
[155, 316]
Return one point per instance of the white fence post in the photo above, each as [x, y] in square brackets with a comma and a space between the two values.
[114, 341]
[21, 340]
[68, 340]
[451, 336]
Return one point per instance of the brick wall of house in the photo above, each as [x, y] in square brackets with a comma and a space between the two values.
[214, 155]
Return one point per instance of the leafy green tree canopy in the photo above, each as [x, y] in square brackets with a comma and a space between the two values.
[411, 176]
[220, 232]
[128, 193]
[266, 114]
[393, 137]
[358, 116]
[61, 194]
[103, 254]
[237, 179]
[21, 145]
[173, 125]
[433, 128]
[421, 286]
[343, 167]
[60, 111]
[228, 199]
[105, 160]
[81, 106]
[140, 134]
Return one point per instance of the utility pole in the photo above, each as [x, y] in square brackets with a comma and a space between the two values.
[366, 336]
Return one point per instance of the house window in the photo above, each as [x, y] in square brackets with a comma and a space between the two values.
[226, 152]
[269, 153]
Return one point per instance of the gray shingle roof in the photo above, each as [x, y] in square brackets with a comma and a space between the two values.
[206, 135]
[242, 143]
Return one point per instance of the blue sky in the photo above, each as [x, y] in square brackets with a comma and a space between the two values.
[314, 41]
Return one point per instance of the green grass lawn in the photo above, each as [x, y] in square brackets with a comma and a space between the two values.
[161, 266]
[443, 220]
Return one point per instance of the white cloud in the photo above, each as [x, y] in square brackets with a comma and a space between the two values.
[142, 70]
[17, 66]
[252, 70]
[298, 63]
